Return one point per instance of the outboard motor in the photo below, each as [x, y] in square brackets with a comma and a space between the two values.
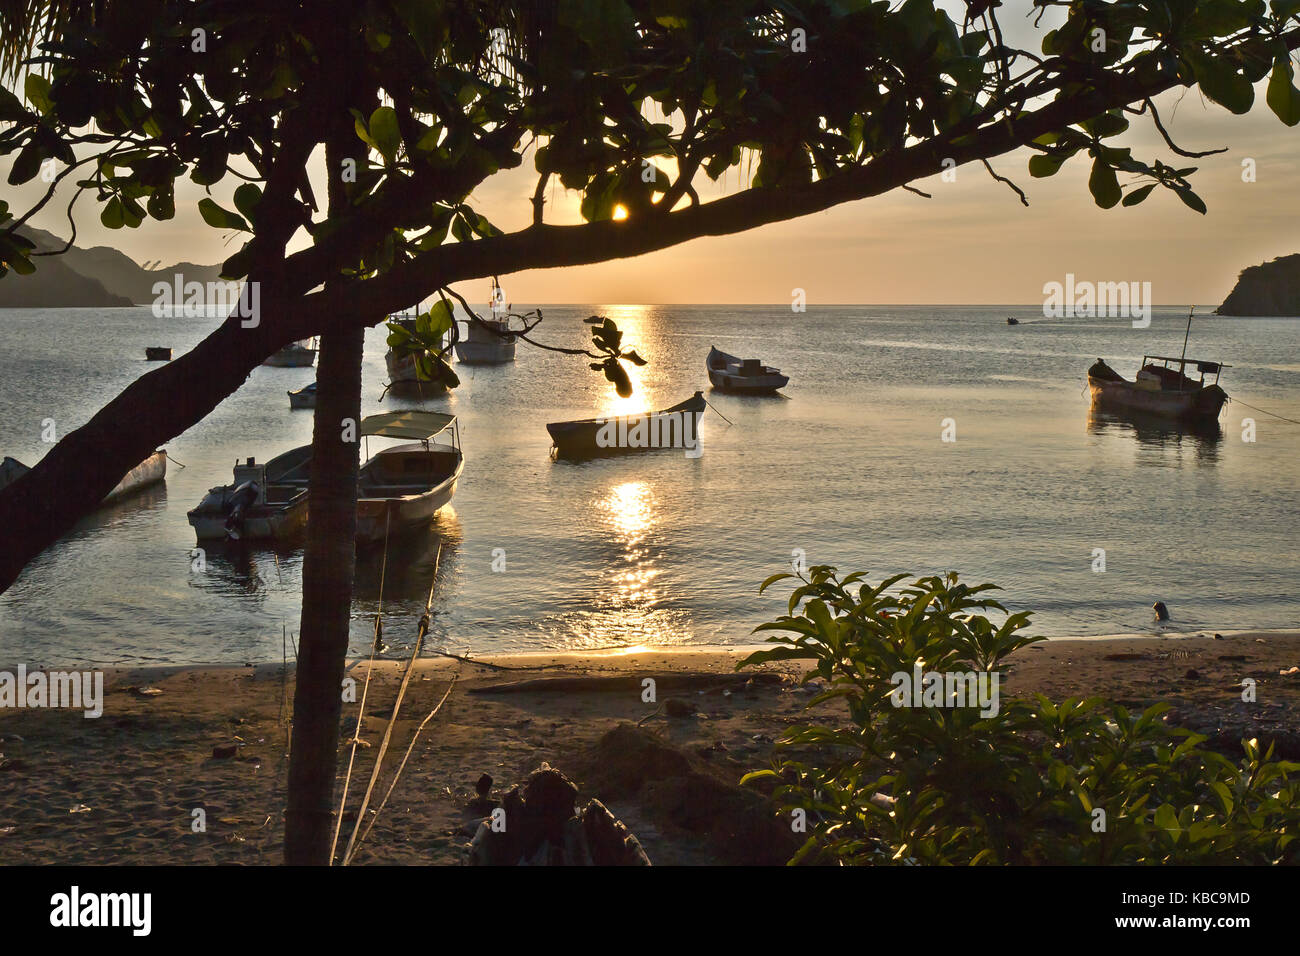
[241, 499]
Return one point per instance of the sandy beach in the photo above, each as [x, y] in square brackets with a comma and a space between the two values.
[124, 788]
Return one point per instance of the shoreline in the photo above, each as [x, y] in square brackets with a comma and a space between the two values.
[686, 650]
[212, 743]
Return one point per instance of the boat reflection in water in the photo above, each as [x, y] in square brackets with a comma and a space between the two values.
[411, 559]
[246, 568]
[1161, 432]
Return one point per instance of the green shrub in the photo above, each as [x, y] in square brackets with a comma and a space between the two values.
[1076, 782]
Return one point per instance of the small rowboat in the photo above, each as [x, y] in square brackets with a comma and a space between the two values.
[745, 376]
[304, 397]
[150, 471]
[675, 427]
[404, 486]
[1160, 389]
[294, 355]
[157, 354]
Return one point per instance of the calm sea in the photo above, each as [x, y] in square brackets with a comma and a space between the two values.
[847, 468]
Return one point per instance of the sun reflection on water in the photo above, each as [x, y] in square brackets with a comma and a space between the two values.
[627, 611]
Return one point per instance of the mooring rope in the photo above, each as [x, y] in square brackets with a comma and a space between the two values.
[365, 690]
[720, 415]
[1266, 412]
[397, 705]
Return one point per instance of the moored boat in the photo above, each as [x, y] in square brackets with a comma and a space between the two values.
[304, 397]
[300, 354]
[265, 501]
[488, 341]
[674, 427]
[745, 376]
[402, 487]
[1162, 389]
[403, 372]
[150, 471]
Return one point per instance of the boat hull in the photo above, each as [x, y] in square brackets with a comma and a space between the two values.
[302, 399]
[395, 494]
[150, 471]
[483, 346]
[264, 523]
[1202, 404]
[747, 384]
[485, 353]
[291, 358]
[404, 380]
[730, 374]
[379, 516]
[676, 427]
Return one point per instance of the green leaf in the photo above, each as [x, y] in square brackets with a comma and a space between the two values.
[247, 197]
[1282, 97]
[26, 166]
[37, 90]
[768, 582]
[112, 215]
[1220, 82]
[214, 215]
[384, 134]
[1042, 165]
[1139, 194]
[1191, 200]
[1103, 184]
[11, 108]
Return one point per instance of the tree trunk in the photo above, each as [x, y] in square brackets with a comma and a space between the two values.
[328, 565]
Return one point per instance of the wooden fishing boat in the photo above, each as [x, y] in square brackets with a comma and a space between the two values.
[403, 375]
[488, 344]
[1162, 388]
[488, 341]
[304, 397]
[150, 471]
[402, 487]
[301, 354]
[745, 376]
[264, 502]
[157, 354]
[675, 427]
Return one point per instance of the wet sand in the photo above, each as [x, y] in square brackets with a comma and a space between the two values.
[124, 788]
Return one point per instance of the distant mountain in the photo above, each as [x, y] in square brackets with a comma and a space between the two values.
[53, 285]
[1272, 288]
[98, 276]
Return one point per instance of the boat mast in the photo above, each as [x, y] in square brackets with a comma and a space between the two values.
[1182, 361]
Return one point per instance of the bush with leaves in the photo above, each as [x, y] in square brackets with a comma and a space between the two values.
[1037, 782]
